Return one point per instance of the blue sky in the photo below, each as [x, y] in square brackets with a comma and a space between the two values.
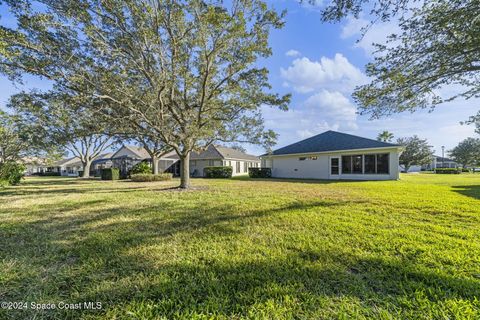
[320, 64]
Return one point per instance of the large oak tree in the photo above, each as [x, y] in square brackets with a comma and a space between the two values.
[186, 70]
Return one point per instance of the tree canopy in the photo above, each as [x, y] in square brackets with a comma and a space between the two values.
[467, 152]
[185, 70]
[437, 48]
[416, 152]
[64, 121]
[385, 136]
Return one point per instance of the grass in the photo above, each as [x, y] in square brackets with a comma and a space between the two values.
[235, 249]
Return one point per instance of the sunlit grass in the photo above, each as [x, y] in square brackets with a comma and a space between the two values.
[240, 248]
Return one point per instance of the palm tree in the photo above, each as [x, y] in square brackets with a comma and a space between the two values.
[385, 136]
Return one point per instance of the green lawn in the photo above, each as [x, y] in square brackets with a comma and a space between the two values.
[406, 249]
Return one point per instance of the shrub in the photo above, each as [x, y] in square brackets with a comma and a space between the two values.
[466, 170]
[148, 177]
[448, 170]
[80, 173]
[141, 167]
[46, 174]
[110, 174]
[260, 172]
[11, 172]
[218, 172]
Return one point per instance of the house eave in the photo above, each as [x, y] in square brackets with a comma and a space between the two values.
[399, 148]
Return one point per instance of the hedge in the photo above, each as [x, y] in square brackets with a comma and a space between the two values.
[448, 170]
[260, 172]
[218, 172]
[148, 177]
[47, 174]
[11, 173]
[141, 167]
[110, 174]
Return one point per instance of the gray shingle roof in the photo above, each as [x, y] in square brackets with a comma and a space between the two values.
[332, 141]
[219, 152]
[229, 153]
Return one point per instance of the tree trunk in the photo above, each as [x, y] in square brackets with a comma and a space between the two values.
[185, 170]
[154, 165]
[86, 169]
[407, 166]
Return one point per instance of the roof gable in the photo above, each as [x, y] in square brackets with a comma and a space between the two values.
[230, 153]
[332, 141]
[137, 152]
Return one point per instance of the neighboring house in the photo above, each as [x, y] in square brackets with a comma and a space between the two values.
[222, 156]
[414, 168]
[67, 167]
[334, 155]
[35, 165]
[441, 162]
[128, 156]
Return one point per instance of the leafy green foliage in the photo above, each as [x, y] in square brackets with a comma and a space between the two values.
[385, 136]
[260, 172]
[141, 167]
[438, 47]
[110, 174]
[63, 120]
[467, 152]
[218, 172]
[184, 70]
[148, 177]
[416, 152]
[11, 172]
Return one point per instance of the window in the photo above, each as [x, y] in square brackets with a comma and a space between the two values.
[370, 165]
[334, 166]
[313, 158]
[211, 163]
[194, 163]
[382, 163]
[346, 164]
[238, 167]
[302, 158]
[352, 164]
[245, 167]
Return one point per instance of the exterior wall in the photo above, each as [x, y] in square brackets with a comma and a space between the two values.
[292, 167]
[197, 166]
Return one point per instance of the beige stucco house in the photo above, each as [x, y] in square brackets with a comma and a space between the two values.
[334, 155]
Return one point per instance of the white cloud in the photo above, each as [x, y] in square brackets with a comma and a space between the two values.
[376, 33]
[305, 75]
[336, 107]
[293, 53]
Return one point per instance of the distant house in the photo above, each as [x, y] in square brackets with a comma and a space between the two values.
[441, 162]
[335, 155]
[222, 156]
[35, 165]
[128, 156]
[68, 167]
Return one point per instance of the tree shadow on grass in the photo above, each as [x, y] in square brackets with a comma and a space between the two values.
[97, 257]
[471, 191]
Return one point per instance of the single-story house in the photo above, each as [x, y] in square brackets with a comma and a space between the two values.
[66, 167]
[35, 165]
[441, 162]
[128, 156]
[334, 155]
[216, 155]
